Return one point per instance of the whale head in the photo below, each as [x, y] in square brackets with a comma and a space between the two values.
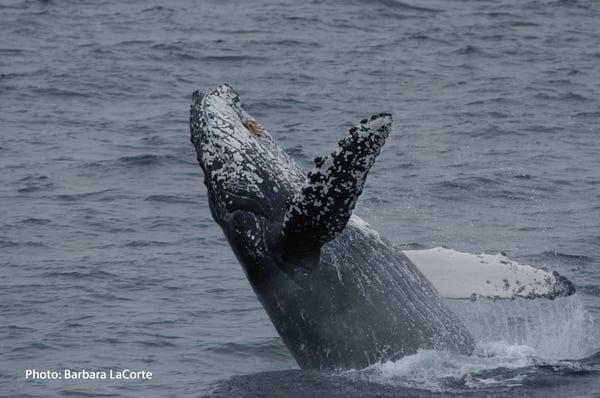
[244, 169]
[267, 208]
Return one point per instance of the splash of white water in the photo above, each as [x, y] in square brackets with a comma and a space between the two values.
[556, 329]
[436, 370]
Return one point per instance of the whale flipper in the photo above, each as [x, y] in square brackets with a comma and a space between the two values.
[324, 204]
[458, 275]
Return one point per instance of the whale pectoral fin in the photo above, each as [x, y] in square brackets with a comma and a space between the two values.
[458, 275]
[323, 206]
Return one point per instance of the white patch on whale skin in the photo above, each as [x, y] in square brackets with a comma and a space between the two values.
[462, 275]
[232, 152]
[364, 227]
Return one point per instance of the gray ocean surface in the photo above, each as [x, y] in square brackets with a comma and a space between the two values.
[109, 258]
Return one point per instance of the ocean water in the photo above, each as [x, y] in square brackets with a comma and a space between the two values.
[109, 258]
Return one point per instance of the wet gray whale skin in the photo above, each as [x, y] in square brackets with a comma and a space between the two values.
[339, 294]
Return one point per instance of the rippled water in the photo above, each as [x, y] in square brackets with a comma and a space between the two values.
[108, 254]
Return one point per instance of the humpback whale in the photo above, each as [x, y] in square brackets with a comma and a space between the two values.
[340, 295]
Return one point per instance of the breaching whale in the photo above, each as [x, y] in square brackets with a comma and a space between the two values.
[339, 294]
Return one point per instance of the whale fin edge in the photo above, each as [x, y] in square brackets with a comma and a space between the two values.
[321, 209]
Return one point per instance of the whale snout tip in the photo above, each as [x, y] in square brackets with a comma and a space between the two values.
[225, 88]
[227, 92]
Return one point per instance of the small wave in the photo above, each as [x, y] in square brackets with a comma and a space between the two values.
[234, 59]
[169, 46]
[36, 221]
[493, 101]
[35, 179]
[34, 347]
[140, 160]
[87, 394]
[302, 18]
[468, 49]
[565, 257]
[469, 182]
[574, 97]
[170, 199]
[34, 186]
[523, 176]
[12, 51]
[522, 24]
[498, 14]
[107, 297]
[286, 42]
[589, 290]
[145, 243]
[463, 184]
[10, 243]
[23, 73]
[144, 160]
[96, 274]
[154, 140]
[159, 9]
[100, 195]
[478, 186]
[109, 340]
[572, 3]
[59, 92]
[157, 343]
[269, 347]
[134, 42]
[587, 114]
[403, 6]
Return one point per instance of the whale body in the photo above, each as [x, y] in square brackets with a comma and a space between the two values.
[340, 295]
